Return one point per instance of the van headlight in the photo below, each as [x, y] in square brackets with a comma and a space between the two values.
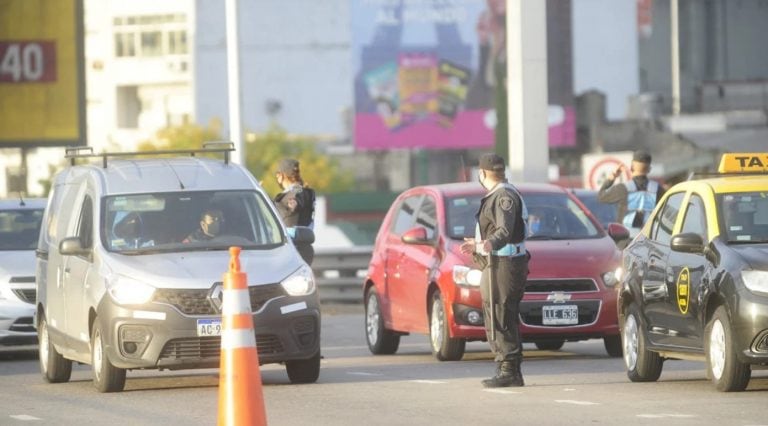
[755, 281]
[128, 291]
[464, 275]
[300, 282]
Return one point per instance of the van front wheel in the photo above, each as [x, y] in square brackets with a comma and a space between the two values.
[106, 377]
[55, 368]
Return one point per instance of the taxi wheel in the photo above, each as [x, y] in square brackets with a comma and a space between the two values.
[380, 340]
[106, 377]
[642, 364]
[444, 347]
[304, 370]
[727, 373]
[55, 368]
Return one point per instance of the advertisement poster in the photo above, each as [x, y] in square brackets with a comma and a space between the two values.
[426, 72]
[42, 91]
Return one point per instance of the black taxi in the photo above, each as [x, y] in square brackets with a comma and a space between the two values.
[694, 282]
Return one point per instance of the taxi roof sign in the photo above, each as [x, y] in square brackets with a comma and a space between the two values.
[744, 162]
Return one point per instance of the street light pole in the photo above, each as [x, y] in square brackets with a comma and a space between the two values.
[675, 41]
[233, 81]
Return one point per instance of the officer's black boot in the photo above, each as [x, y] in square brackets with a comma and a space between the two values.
[508, 375]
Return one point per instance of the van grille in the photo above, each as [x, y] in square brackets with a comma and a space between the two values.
[196, 348]
[561, 285]
[200, 302]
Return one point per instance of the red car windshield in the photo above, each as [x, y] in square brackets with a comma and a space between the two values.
[551, 216]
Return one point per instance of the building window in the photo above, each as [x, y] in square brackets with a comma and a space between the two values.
[125, 45]
[151, 43]
[150, 35]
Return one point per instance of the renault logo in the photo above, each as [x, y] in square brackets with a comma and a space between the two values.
[217, 296]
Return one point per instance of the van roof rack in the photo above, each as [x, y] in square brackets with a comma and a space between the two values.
[73, 153]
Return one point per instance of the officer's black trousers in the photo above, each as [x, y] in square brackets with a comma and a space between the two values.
[509, 279]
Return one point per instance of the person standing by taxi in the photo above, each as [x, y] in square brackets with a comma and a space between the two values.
[635, 198]
[296, 202]
[501, 231]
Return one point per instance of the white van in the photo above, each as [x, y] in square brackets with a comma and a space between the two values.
[130, 264]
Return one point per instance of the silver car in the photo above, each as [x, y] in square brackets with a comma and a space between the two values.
[19, 230]
[130, 269]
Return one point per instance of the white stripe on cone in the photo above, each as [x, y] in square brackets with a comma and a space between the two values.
[236, 302]
[238, 338]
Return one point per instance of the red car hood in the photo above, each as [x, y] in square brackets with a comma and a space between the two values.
[572, 258]
[564, 258]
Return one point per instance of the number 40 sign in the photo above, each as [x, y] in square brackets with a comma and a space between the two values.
[32, 61]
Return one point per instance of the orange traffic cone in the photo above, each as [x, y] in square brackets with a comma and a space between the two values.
[241, 401]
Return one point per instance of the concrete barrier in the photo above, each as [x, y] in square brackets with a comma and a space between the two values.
[339, 273]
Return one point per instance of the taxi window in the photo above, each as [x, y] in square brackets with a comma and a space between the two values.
[663, 223]
[695, 220]
[744, 216]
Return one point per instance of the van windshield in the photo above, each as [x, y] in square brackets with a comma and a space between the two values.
[188, 221]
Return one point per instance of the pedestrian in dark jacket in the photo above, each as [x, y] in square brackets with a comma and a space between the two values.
[296, 202]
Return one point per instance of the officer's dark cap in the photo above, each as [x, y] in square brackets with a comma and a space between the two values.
[642, 156]
[288, 166]
[492, 162]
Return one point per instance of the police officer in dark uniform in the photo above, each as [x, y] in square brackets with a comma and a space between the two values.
[296, 203]
[500, 231]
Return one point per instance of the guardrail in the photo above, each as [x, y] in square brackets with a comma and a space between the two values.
[339, 273]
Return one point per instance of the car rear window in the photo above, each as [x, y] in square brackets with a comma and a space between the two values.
[20, 228]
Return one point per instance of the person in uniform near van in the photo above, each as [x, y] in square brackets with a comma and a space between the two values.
[635, 198]
[211, 222]
[296, 202]
[501, 231]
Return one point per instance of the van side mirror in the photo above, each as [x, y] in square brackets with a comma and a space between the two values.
[688, 242]
[417, 235]
[72, 246]
[303, 235]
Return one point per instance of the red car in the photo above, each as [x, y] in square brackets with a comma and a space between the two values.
[417, 279]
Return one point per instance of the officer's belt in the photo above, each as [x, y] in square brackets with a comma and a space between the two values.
[510, 250]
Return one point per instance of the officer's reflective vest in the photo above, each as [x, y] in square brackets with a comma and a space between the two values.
[640, 203]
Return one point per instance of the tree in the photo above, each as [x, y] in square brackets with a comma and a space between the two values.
[263, 151]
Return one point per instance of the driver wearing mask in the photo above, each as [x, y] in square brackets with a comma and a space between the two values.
[210, 227]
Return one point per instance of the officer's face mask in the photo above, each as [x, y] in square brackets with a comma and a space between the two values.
[481, 177]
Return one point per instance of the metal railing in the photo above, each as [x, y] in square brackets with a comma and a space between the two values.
[340, 272]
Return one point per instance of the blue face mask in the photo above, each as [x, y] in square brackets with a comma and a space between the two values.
[534, 227]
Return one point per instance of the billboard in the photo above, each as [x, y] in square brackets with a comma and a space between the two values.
[426, 72]
[42, 93]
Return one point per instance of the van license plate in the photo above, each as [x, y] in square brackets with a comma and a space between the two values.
[560, 314]
[209, 327]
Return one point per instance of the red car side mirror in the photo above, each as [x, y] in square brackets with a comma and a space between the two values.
[417, 235]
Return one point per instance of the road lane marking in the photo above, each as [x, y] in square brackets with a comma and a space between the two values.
[502, 391]
[575, 402]
[363, 373]
[569, 390]
[24, 417]
[661, 416]
[429, 382]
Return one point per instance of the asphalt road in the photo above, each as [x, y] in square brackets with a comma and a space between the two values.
[579, 384]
